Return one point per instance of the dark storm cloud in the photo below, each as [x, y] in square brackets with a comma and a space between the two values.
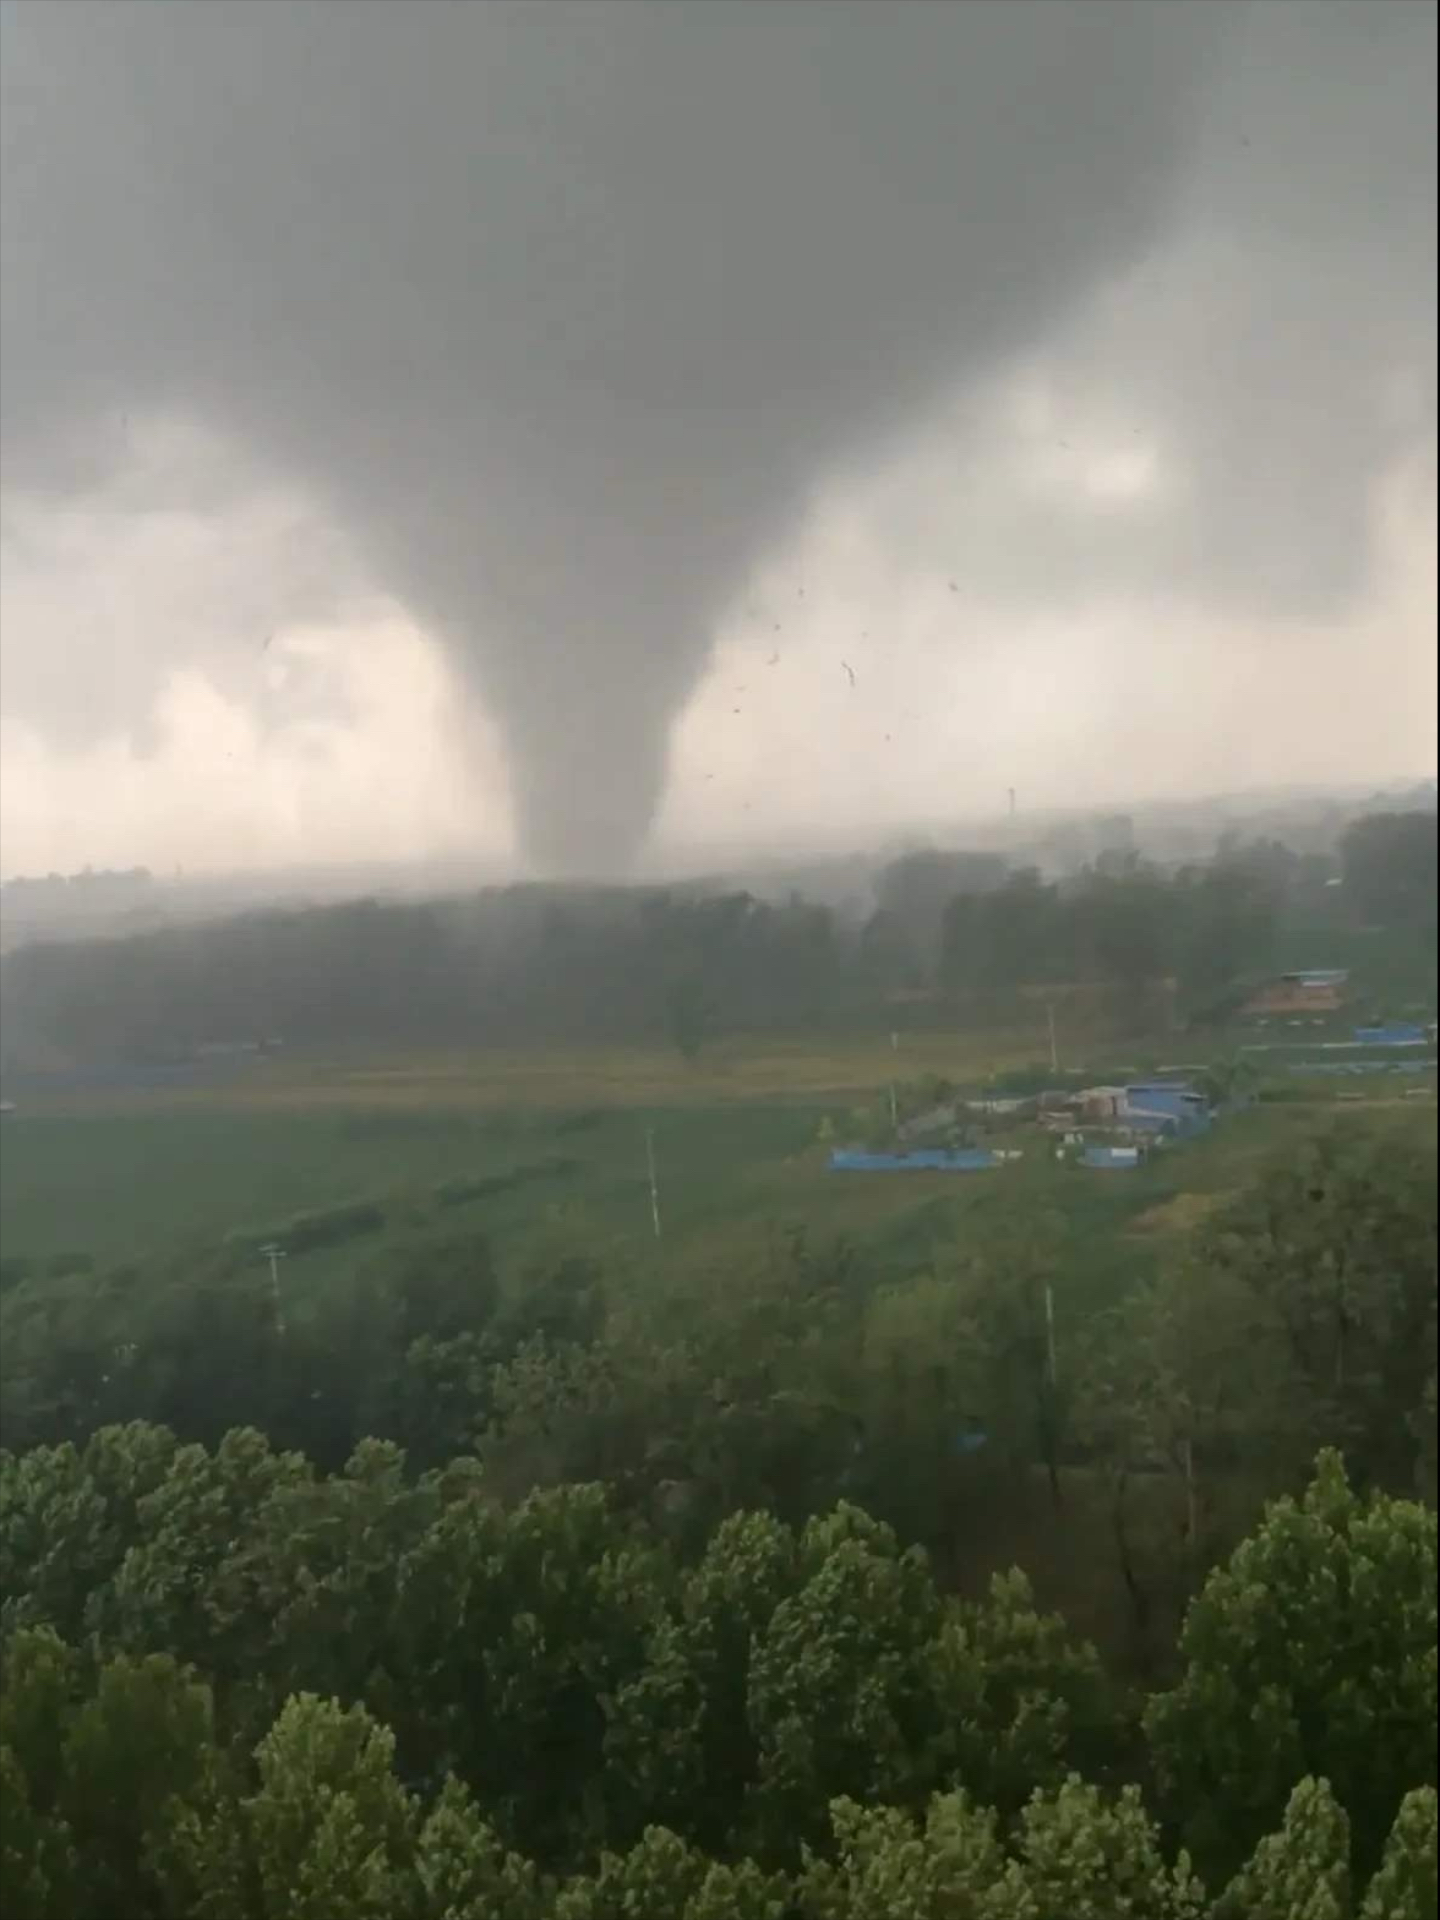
[563, 308]
[1281, 348]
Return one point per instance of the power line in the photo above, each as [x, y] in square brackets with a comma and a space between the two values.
[654, 1183]
[275, 1254]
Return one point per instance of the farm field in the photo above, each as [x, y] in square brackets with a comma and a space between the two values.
[545, 1154]
[545, 1077]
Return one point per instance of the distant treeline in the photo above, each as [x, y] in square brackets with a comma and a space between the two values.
[523, 963]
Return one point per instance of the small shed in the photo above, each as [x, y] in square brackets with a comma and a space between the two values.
[1111, 1159]
[1150, 1103]
[929, 1122]
[1102, 1103]
[1398, 1033]
[1307, 990]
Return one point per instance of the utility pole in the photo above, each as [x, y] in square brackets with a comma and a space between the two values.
[1012, 803]
[654, 1183]
[1054, 1050]
[1050, 1331]
[275, 1254]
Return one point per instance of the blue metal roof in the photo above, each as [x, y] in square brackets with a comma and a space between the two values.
[1149, 1102]
[1400, 1033]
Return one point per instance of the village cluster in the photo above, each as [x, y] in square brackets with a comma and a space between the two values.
[1118, 1126]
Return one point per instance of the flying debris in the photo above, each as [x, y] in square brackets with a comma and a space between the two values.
[850, 670]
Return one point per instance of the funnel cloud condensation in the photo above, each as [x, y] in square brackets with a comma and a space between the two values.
[563, 309]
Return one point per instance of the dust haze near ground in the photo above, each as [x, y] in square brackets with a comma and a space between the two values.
[560, 322]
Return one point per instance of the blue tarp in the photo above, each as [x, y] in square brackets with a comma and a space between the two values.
[923, 1160]
[1118, 1159]
[1361, 1066]
[1399, 1034]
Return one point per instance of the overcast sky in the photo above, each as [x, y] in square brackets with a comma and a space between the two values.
[496, 428]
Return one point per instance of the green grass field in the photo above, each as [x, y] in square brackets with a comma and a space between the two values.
[554, 1146]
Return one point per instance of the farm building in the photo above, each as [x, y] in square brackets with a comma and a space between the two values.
[1101, 1103]
[1310, 990]
[1398, 1033]
[931, 1121]
[1166, 1106]
[1111, 1159]
[1145, 1106]
[1142, 1109]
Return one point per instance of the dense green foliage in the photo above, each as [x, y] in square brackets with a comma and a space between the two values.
[1312, 1652]
[607, 1644]
[795, 1374]
[1389, 866]
[235, 1687]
